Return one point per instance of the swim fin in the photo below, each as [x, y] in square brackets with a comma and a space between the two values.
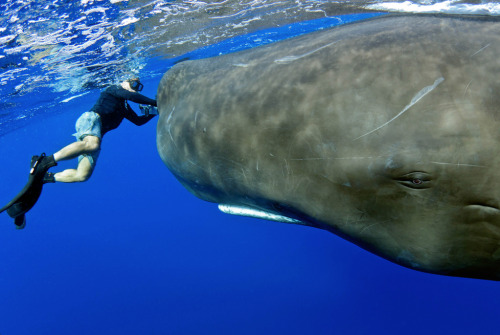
[27, 198]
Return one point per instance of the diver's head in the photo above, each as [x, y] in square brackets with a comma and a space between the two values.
[134, 84]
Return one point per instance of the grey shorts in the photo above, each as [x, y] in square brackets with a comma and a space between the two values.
[89, 123]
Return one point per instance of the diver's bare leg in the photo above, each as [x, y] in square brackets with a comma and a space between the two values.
[81, 173]
[87, 145]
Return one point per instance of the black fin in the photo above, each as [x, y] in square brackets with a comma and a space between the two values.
[29, 195]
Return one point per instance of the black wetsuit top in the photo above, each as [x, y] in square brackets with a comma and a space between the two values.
[113, 108]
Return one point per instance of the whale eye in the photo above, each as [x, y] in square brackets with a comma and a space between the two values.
[415, 180]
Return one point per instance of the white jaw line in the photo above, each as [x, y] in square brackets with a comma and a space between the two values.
[256, 213]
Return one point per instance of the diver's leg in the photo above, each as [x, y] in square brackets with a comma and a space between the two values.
[87, 145]
[80, 174]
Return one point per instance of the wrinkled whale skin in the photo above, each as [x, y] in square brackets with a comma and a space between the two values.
[385, 132]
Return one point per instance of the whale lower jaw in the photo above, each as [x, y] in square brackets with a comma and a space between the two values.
[256, 213]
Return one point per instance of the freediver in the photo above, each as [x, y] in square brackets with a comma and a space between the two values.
[107, 114]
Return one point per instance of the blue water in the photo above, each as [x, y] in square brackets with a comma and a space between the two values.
[132, 252]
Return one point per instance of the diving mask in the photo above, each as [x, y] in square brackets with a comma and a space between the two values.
[135, 84]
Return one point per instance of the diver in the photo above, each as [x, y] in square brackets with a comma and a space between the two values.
[107, 114]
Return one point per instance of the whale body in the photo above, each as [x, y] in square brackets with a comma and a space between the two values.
[385, 132]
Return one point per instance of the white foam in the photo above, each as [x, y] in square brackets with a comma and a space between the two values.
[128, 21]
[95, 10]
[247, 22]
[7, 39]
[11, 74]
[74, 97]
[444, 7]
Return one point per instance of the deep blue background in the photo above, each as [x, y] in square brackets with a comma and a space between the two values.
[132, 252]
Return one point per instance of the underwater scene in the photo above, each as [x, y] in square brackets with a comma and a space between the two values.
[147, 244]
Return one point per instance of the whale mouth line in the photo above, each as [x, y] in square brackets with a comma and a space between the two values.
[256, 213]
[484, 206]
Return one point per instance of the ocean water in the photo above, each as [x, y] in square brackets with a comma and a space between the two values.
[131, 251]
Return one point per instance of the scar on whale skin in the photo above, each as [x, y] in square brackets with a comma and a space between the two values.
[289, 59]
[422, 93]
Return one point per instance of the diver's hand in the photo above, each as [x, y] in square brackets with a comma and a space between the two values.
[153, 110]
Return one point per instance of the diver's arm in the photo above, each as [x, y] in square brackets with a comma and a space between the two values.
[135, 97]
[134, 118]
